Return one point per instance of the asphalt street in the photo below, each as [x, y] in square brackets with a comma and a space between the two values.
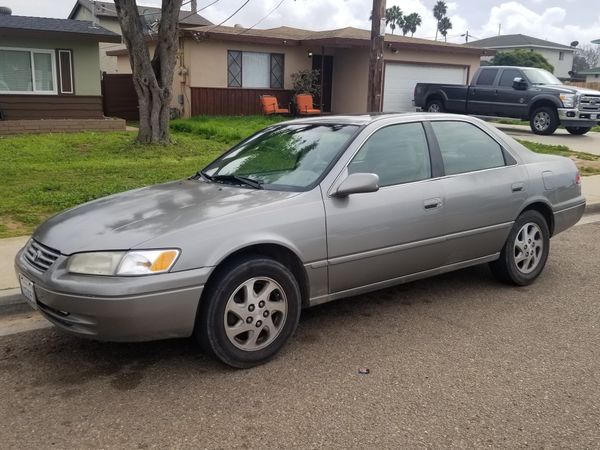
[458, 360]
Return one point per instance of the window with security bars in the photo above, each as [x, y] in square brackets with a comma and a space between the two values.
[254, 69]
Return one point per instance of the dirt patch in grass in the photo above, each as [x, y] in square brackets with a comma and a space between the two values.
[587, 163]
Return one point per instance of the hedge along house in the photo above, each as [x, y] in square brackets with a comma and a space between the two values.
[224, 70]
[49, 69]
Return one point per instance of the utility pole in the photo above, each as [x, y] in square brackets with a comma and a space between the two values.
[376, 59]
[466, 35]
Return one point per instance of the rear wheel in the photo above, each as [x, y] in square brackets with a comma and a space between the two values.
[578, 130]
[525, 252]
[249, 312]
[544, 120]
[435, 106]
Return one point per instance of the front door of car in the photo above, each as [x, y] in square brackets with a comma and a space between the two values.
[379, 236]
[485, 190]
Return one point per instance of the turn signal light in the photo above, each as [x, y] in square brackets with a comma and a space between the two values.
[578, 178]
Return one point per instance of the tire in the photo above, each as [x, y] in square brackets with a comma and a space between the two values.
[242, 330]
[544, 120]
[435, 106]
[513, 267]
[578, 130]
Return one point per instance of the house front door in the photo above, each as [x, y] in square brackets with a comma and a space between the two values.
[324, 64]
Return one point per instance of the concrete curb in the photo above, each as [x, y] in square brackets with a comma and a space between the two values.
[10, 297]
[592, 208]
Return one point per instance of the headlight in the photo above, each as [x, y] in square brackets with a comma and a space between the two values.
[136, 262]
[568, 100]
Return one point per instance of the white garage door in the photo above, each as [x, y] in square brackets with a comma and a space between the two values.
[401, 78]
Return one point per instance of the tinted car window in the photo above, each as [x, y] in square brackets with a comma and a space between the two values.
[465, 148]
[486, 77]
[507, 77]
[398, 154]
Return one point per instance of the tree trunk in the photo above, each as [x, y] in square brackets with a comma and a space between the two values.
[152, 78]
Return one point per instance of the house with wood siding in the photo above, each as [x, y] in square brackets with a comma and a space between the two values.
[49, 68]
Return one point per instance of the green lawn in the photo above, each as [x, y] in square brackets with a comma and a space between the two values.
[45, 174]
[588, 163]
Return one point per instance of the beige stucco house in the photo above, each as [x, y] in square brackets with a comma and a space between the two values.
[224, 70]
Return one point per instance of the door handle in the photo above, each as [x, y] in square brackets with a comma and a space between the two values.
[432, 203]
[517, 187]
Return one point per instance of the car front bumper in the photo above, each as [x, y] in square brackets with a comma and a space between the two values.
[573, 117]
[120, 309]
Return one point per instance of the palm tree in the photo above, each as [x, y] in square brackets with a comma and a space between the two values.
[411, 23]
[439, 12]
[393, 17]
[443, 26]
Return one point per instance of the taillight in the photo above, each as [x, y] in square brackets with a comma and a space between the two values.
[578, 178]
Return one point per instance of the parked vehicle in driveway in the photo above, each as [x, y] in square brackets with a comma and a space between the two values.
[521, 92]
[301, 213]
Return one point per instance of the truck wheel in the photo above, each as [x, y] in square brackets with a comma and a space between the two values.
[544, 120]
[578, 130]
[435, 106]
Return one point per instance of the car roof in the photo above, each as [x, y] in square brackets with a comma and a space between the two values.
[365, 119]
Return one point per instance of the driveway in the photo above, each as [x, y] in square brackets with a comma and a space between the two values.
[589, 143]
[458, 360]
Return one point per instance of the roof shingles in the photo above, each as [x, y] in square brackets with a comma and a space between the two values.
[24, 25]
[517, 40]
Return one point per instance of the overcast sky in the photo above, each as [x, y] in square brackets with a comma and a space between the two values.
[561, 21]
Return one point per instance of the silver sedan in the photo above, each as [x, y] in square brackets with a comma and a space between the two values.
[301, 213]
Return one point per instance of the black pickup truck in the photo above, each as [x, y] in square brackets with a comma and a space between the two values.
[520, 92]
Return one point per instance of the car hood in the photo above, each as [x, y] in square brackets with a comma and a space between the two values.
[564, 88]
[126, 220]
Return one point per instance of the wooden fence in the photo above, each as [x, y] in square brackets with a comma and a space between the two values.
[234, 101]
[589, 85]
[119, 98]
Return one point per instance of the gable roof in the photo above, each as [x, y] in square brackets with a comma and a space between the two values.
[47, 27]
[107, 9]
[518, 40]
[348, 36]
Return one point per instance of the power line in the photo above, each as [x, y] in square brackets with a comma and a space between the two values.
[201, 9]
[264, 17]
[223, 21]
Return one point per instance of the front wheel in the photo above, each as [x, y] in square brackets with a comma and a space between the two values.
[544, 120]
[525, 252]
[249, 312]
[578, 130]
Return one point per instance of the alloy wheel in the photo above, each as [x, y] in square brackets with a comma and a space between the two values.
[541, 121]
[528, 248]
[255, 313]
[434, 107]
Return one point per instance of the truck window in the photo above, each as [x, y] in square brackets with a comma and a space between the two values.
[507, 77]
[486, 77]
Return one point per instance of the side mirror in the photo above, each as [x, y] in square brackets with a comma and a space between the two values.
[519, 83]
[358, 183]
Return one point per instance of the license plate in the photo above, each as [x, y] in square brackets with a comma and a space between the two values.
[27, 290]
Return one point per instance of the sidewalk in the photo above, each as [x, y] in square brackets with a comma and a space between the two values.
[9, 247]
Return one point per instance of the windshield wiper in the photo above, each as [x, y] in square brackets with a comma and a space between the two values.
[236, 178]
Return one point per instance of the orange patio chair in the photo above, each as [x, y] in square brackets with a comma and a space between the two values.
[304, 103]
[270, 106]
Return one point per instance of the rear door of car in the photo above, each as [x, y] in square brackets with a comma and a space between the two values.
[377, 237]
[484, 189]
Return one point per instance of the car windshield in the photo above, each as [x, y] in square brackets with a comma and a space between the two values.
[540, 76]
[287, 157]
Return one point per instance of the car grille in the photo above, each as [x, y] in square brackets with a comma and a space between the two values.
[589, 103]
[40, 256]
